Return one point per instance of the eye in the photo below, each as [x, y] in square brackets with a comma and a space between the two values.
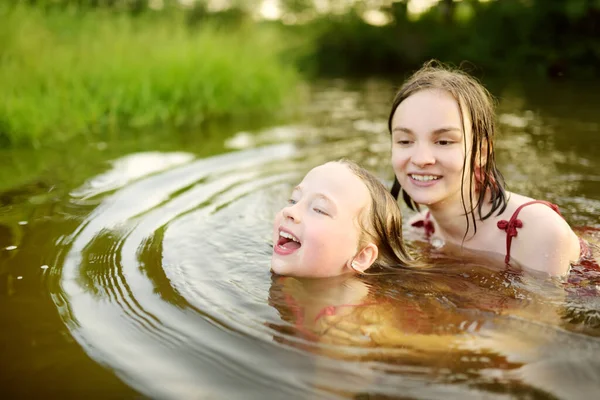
[403, 142]
[445, 142]
[320, 211]
[292, 201]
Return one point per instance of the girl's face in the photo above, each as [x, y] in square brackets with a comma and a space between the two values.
[317, 233]
[428, 149]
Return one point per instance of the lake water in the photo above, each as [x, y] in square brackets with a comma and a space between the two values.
[139, 266]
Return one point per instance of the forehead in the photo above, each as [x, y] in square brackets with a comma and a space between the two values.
[430, 109]
[339, 183]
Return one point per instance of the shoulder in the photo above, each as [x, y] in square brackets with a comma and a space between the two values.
[545, 241]
[541, 213]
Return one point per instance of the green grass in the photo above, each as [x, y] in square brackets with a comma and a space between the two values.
[70, 73]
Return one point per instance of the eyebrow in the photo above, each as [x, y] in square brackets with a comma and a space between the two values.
[438, 131]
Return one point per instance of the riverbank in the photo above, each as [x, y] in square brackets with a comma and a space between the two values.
[69, 73]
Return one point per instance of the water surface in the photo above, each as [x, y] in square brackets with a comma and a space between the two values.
[140, 267]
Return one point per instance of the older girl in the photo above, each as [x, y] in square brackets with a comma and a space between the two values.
[442, 127]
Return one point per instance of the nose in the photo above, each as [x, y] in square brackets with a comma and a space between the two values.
[423, 155]
[291, 212]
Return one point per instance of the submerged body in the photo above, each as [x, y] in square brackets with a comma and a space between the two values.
[426, 323]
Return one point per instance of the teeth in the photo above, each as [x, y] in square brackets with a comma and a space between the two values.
[425, 178]
[288, 236]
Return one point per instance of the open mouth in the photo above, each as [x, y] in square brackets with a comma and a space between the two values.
[425, 178]
[287, 242]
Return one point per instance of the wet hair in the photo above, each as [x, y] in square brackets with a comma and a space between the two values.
[471, 96]
[381, 223]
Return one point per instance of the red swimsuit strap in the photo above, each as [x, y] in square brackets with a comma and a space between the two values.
[426, 224]
[513, 223]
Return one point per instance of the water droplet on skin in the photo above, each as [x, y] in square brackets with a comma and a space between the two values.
[437, 242]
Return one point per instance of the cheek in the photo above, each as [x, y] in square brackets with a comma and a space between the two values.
[277, 220]
[456, 162]
[397, 159]
[320, 244]
[399, 162]
[347, 241]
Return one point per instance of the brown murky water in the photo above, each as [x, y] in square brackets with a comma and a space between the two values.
[148, 275]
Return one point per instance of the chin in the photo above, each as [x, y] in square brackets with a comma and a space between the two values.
[420, 199]
[280, 268]
[425, 199]
[277, 270]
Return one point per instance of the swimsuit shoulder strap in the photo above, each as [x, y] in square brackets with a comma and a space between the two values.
[427, 224]
[510, 226]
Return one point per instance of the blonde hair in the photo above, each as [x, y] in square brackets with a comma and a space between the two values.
[381, 224]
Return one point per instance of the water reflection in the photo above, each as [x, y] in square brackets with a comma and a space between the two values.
[548, 142]
[163, 275]
[412, 332]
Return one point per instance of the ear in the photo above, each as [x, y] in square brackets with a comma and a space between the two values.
[481, 159]
[365, 258]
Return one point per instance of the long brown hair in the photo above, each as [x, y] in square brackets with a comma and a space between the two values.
[382, 223]
[473, 97]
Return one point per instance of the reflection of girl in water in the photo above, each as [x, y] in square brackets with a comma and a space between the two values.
[442, 128]
[339, 219]
[346, 310]
[415, 324]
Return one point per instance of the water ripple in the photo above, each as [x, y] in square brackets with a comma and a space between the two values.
[166, 283]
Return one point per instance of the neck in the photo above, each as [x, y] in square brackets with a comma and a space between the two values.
[453, 224]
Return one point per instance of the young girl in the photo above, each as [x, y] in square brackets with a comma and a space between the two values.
[339, 219]
[442, 127]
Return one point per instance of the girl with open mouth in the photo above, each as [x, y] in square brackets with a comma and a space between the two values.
[340, 219]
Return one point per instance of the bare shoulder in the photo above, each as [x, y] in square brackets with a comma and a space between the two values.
[545, 241]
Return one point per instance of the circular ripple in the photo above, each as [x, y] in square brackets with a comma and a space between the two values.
[166, 282]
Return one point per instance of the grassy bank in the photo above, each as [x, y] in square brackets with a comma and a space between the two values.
[68, 73]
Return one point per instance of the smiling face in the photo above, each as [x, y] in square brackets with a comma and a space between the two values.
[317, 234]
[428, 149]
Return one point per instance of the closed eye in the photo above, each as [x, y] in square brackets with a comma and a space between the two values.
[403, 142]
[320, 211]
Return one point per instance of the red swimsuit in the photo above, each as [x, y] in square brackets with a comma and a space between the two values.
[510, 227]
